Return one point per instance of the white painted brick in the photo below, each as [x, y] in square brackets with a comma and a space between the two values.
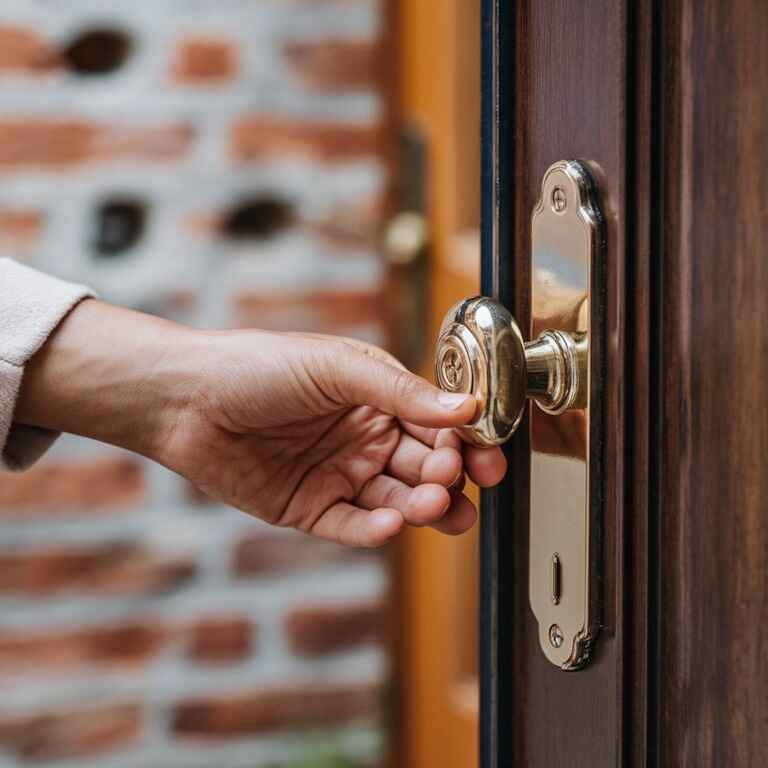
[169, 259]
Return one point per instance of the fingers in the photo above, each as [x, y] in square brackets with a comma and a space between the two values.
[443, 466]
[422, 505]
[449, 438]
[486, 467]
[423, 434]
[459, 518]
[406, 461]
[355, 527]
[414, 463]
[386, 505]
[361, 379]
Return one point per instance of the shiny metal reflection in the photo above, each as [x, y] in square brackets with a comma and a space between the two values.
[567, 244]
[480, 350]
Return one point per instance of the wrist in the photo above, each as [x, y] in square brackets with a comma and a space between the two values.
[110, 374]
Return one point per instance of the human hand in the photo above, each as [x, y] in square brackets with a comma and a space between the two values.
[327, 435]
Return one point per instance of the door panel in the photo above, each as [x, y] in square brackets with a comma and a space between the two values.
[666, 103]
[714, 380]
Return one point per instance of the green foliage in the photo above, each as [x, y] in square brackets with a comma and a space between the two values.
[324, 761]
[321, 758]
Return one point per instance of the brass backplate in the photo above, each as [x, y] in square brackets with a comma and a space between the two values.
[567, 244]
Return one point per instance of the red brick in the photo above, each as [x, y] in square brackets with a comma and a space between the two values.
[221, 640]
[23, 50]
[116, 569]
[352, 226]
[204, 60]
[261, 554]
[146, 142]
[181, 300]
[262, 137]
[56, 487]
[319, 311]
[226, 717]
[335, 65]
[341, 236]
[124, 644]
[70, 734]
[349, 227]
[214, 639]
[42, 142]
[322, 629]
[19, 226]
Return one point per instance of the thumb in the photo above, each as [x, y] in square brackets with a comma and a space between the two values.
[365, 380]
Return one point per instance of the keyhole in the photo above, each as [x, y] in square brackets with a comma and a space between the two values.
[452, 368]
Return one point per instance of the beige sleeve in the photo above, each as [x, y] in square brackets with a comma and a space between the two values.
[31, 305]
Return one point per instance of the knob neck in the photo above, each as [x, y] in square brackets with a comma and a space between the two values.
[556, 370]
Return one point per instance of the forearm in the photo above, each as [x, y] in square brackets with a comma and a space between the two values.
[110, 374]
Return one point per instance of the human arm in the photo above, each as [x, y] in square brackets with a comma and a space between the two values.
[328, 435]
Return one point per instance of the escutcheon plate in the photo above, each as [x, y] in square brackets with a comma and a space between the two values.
[568, 244]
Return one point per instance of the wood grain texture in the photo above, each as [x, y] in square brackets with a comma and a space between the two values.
[714, 502]
[667, 101]
[570, 103]
[641, 175]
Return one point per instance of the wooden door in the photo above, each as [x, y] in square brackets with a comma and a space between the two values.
[666, 104]
[437, 93]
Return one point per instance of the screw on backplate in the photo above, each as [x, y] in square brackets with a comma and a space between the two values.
[556, 636]
[559, 199]
[452, 368]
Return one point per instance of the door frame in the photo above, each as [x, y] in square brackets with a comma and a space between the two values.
[436, 87]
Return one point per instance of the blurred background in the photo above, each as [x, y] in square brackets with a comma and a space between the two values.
[284, 164]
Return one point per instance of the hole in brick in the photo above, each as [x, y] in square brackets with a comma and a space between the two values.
[97, 51]
[257, 218]
[120, 224]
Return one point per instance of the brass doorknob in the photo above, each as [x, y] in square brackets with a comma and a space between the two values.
[481, 351]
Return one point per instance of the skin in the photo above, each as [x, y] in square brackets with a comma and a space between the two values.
[328, 435]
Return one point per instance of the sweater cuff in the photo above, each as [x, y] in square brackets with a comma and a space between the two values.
[32, 304]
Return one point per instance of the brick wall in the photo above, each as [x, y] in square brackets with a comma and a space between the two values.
[218, 162]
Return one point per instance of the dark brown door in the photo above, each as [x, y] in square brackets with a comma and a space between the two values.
[667, 104]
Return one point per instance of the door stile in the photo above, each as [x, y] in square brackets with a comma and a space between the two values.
[497, 577]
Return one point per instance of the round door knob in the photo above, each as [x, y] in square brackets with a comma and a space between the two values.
[481, 351]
